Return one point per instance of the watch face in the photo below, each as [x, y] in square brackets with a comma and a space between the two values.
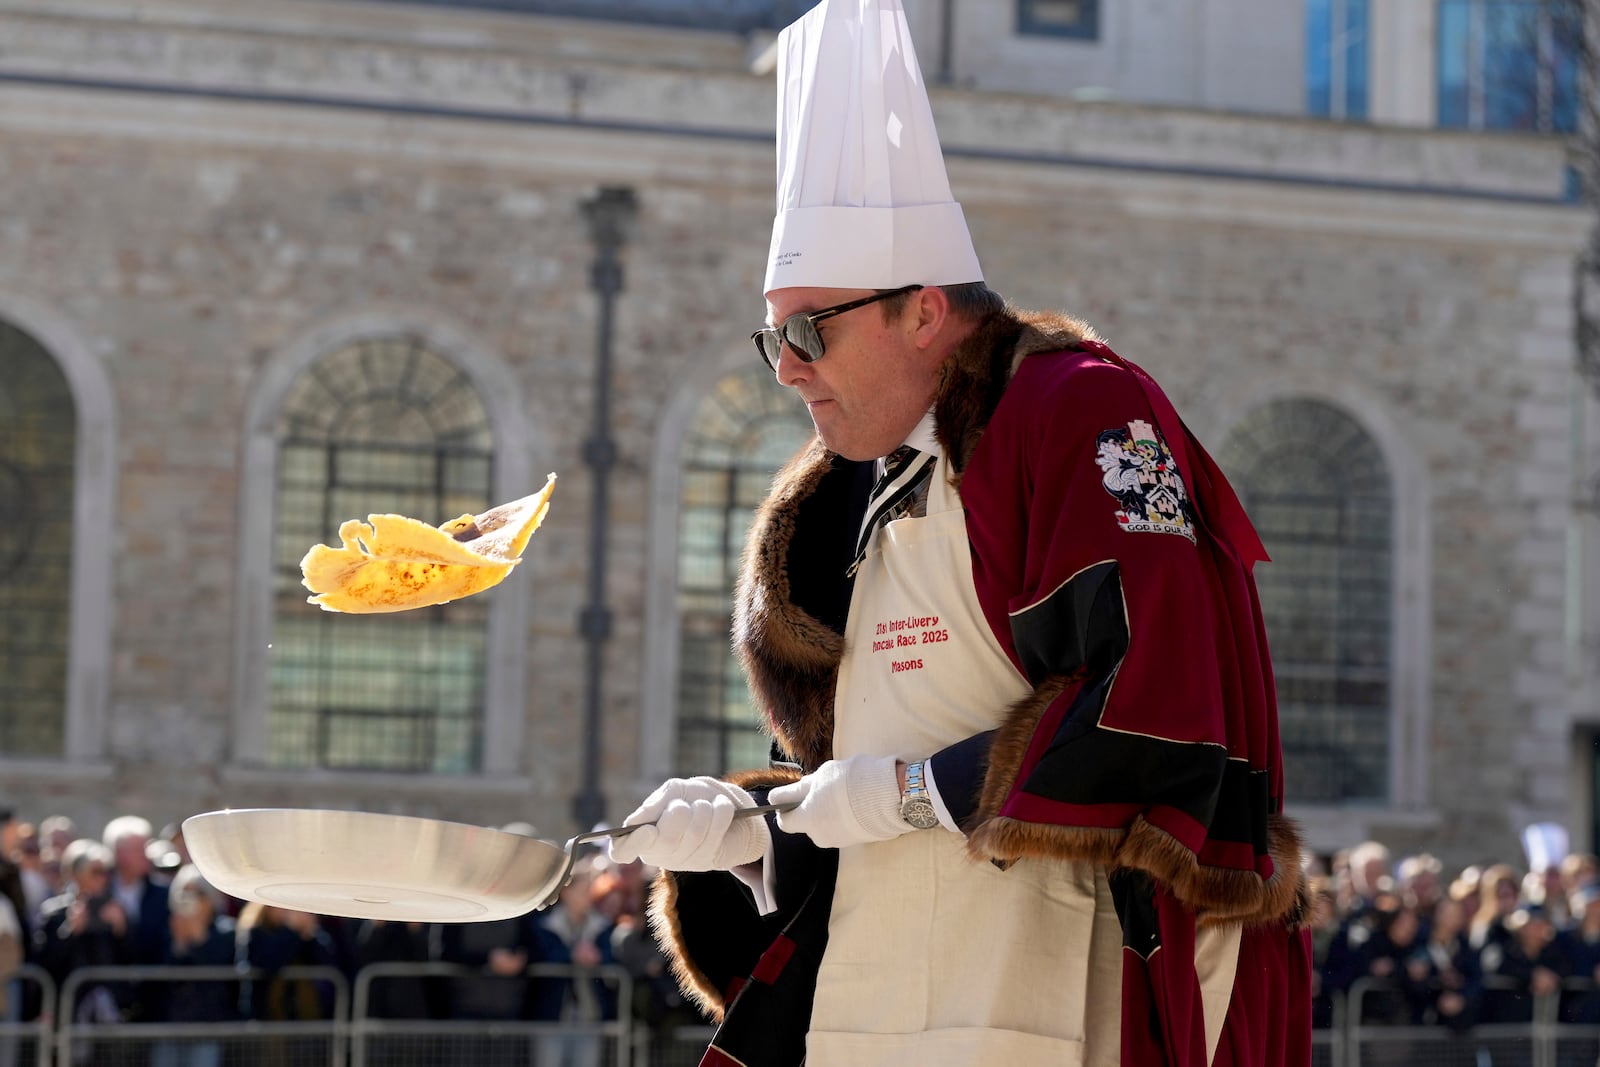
[918, 811]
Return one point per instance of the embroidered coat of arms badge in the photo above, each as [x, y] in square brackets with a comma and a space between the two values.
[1143, 478]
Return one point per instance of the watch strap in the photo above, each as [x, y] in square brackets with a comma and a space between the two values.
[916, 803]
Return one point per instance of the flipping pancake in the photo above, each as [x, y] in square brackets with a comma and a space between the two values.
[393, 563]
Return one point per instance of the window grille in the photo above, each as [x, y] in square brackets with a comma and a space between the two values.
[381, 426]
[1318, 491]
[38, 433]
[744, 431]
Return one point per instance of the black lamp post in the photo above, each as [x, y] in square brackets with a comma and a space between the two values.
[610, 215]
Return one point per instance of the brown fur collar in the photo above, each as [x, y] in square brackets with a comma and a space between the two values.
[790, 658]
[978, 371]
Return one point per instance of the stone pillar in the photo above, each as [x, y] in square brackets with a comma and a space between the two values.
[1402, 60]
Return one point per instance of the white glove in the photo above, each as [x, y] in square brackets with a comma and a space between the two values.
[694, 828]
[844, 802]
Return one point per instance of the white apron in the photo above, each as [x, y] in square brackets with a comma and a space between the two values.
[933, 958]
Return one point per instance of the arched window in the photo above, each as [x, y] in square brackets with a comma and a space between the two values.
[1319, 492]
[38, 431]
[382, 425]
[742, 433]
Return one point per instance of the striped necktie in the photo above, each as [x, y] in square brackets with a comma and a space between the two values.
[905, 472]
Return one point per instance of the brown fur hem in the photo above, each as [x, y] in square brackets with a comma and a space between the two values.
[1005, 840]
[1286, 893]
[662, 911]
[1218, 894]
[663, 917]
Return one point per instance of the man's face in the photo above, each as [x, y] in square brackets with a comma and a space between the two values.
[92, 878]
[575, 895]
[132, 862]
[872, 384]
[1372, 873]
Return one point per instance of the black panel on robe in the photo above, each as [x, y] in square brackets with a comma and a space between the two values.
[1083, 626]
[1133, 893]
[1242, 811]
[1089, 765]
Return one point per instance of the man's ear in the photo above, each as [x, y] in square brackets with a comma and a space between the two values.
[929, 313]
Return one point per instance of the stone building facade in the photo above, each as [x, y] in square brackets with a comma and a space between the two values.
[203, 202]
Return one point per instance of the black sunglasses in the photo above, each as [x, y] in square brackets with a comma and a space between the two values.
[799, 331]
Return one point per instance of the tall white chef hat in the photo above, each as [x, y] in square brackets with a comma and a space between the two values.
[863, 199]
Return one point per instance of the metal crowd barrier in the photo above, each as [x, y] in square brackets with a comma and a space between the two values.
[66, 1033]
[680, 1046]
[1328, 1046]
[85, 1039]
[1544, 1041]
[27, 1044]
[378, 1042]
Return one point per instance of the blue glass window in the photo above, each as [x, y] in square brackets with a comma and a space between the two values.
[1508, 65]
[1319, 56]
[1566, 45]
[1454, 32]
[1511, 66]
[1336, 58]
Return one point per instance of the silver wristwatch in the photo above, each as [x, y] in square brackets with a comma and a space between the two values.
[916, 806]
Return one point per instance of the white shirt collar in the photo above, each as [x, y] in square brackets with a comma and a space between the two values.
[922, 436]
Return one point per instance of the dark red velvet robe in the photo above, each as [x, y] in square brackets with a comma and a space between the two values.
[1114, 565]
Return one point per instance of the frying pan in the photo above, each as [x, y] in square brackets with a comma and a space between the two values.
[400, 868]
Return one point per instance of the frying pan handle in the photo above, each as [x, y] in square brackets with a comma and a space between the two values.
[624, 831]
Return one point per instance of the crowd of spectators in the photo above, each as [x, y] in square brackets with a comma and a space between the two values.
[1454, 949]
[130, 897]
